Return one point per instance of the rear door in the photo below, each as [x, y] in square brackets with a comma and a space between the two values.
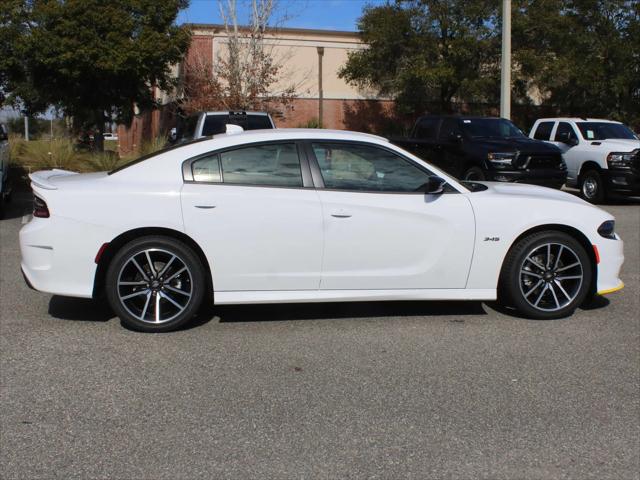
[452, 158]
[257, 217]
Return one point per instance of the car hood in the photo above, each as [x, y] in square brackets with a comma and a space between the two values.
[511, 190]
[617, 144]
[514, 144]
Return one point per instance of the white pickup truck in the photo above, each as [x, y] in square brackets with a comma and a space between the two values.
[602, 156]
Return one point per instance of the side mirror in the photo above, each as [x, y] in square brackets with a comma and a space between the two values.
[566, 139]
[435, 185]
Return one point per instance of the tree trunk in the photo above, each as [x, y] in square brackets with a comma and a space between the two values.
[98, 138]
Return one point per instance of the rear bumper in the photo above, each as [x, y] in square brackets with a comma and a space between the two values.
[543, 177]
[622, 181]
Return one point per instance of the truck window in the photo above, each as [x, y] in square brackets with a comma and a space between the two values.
[259, 122]
[427, 128]
[564, 127]
[543, 132]
[448, 128]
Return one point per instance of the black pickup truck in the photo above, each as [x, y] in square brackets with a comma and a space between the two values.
[481, 148]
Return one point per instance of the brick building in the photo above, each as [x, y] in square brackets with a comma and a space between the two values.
[303, 53]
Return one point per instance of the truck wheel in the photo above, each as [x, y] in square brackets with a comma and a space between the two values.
[474, 174]
[592, 186]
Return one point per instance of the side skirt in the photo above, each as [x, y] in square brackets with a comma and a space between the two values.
[305, 296]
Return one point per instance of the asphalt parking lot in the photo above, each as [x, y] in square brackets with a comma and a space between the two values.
[389, 391]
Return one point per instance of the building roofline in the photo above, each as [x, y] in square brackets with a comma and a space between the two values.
[311, 31]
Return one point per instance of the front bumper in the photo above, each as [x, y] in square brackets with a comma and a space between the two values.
[543, 177]
[611, 254]
[622, 181]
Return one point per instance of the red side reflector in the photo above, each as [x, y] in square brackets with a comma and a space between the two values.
[595, 250]
[101, 251]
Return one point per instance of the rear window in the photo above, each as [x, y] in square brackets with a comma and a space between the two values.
[543, 132]
[215, 124]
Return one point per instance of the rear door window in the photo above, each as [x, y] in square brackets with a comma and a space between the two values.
[448, 129]
[275, 165]
[543, 132]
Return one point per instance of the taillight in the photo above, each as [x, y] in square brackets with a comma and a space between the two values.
[40, 208]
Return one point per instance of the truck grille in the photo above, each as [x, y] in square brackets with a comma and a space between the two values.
[540, 161]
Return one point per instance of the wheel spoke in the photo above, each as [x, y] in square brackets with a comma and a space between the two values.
[570, 277]
[177, 290]
[541, 295]
[135, 294]
[536, 263]
[555, 266]
[548, 255]
[166, 266]
[152, 269]
[167, 297]
[157, 309]
[555, 297]
[530, 273]
[144, 274]
[146, 306]
[567, 267]
[131, 284]
[564, 292]
[175, 274]
[540, 282]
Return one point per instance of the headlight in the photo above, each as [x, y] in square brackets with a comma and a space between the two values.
[621, 160]
[607, 229]
[501, 160]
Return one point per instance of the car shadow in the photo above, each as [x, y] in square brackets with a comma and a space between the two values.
[79, 309]
[596, 303]
[88, 310]
[614, 201]
[342, 310]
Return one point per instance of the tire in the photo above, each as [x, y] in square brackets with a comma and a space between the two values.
[592, 187]
[157, 295]
[542, 286]
[474, 174]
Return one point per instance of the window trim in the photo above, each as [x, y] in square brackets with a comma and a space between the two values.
[307, 182]
[319, 181]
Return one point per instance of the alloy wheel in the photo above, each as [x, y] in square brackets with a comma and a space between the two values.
[551, 277]
[154, 285]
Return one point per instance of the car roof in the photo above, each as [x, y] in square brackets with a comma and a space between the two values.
[576, 119]
[227, 112]
[249, 136]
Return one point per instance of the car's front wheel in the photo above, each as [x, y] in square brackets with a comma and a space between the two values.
[592, 187]
[155, 284]
[546, 275]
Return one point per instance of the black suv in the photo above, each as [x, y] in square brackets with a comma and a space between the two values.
[482, 148]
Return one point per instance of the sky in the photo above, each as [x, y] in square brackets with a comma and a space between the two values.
[314, 14]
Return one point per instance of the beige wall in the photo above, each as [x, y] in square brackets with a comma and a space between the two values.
[296, 50]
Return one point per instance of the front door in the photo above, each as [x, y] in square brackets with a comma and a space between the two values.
[381, 231]
[258, 224]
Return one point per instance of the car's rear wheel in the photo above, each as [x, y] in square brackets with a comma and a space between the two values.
[155, 284]
[592, 187]
[474, 174]
[546, 275]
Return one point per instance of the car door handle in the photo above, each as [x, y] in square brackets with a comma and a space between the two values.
[205, 207]
[340, 214]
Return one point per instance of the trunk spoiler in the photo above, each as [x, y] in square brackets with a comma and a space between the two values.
[43, 178]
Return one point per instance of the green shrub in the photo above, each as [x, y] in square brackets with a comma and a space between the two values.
[311, 123]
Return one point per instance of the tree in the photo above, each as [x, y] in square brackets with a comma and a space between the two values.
[246, 75]
[582, 56]
[421, 51]
[93, 59]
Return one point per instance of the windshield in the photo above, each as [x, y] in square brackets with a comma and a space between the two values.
[490, 128]
[605, 130]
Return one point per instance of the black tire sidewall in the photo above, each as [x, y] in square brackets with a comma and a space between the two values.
[510, 283]
[477, 172]
[174, 246]
[600, 193]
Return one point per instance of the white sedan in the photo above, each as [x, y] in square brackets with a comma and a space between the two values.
[308, 216]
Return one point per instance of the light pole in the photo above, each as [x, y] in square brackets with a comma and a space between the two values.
[320, 92]
[505, 67]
